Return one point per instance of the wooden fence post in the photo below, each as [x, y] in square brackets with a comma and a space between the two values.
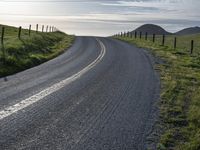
[175, 40]
[135, 34]
[163, 40]
[47, 28]
[192, 47]
[50, 29]
[154, 38]
[140, 35]
[29, 30]
[146, 35]
[2, 44]
[42, 28]
[19, 32]
[2, 35]
[36, 27]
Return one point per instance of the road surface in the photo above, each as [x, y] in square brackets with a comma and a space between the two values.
[98, 95]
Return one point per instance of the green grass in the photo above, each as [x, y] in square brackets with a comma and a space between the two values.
[20, 54]
[180, 96]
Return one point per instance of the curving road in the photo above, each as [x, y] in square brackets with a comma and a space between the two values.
[98, 95]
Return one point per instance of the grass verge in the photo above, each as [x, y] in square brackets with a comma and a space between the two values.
[180, 96]
[20, 54]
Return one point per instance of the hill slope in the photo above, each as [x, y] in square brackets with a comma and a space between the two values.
[151, 29]
[187, 31]
[28, 51]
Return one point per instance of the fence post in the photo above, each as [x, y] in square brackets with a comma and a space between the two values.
[29, 30]
[154, 38]
[50, 29]
[135, 34]
[2, 35]
[146, 34]
[192, 47]
[42, 28]
[47, 28]
[175, 40]
[2, 44]
[19, 32]
[163, 40]
[36, 27]
[140, 35]
[131, 35]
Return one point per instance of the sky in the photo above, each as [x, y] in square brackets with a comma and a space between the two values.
[100, 17]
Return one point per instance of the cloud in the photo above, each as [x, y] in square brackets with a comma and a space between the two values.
[171, 8]
[102, 15]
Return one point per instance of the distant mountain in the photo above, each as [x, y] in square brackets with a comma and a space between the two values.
[192, 30]
[152, 29]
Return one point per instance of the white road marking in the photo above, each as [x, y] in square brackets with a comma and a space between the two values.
[37, 97]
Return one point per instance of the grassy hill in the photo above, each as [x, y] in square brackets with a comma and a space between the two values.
[28, 51]
[158, 30]
[151, 29]
[180, 84]
[187, 31]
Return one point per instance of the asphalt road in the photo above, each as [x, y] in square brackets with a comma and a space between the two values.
[98, 95]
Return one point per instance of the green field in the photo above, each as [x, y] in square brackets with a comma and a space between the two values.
[28, 51]
[180, 96]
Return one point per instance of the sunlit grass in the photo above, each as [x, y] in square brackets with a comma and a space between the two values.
[28, 51]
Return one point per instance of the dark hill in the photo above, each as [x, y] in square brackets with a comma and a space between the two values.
[187, 31]
[151, 29]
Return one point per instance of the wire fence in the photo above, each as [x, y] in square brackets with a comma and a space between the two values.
[25, 31]
[188, 43]
[11, 34]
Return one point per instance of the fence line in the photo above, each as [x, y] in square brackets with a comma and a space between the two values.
[163, 39]
[51, 29]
